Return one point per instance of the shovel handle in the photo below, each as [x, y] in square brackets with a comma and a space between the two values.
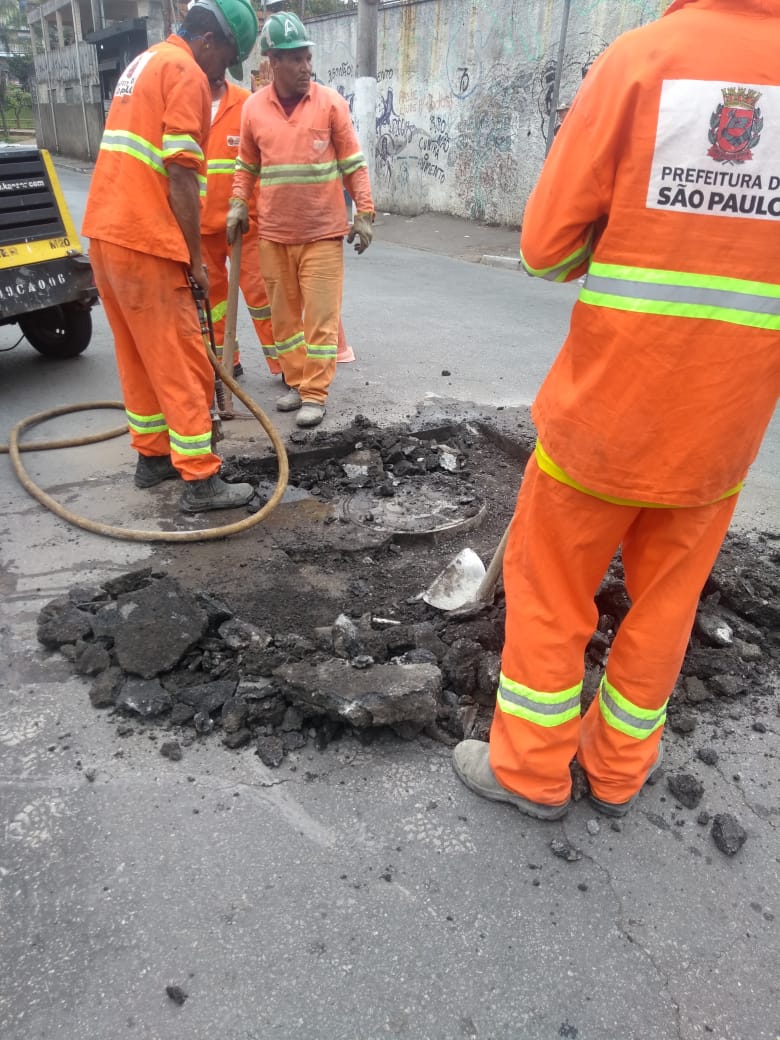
[231, 315]
[488, 584]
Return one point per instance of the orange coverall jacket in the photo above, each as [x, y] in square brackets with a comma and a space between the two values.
[221, 154]
[668, 198]
[301, 162]
[154, 120]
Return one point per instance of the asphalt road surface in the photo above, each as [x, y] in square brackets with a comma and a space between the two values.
[362, 892]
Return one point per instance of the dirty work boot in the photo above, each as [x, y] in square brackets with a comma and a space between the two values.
[154, 469]
[311, 414]
[289, 402]
[200, 496]
[617, 809]
[238, 370]
[471, 765]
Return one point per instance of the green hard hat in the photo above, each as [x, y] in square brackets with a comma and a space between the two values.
[283, 32]
[238, 21]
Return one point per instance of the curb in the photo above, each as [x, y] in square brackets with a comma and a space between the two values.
[501, 261]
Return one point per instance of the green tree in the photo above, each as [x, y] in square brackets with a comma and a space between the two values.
[11, 21]
[16, 101]
[3, 99]
[21, 69]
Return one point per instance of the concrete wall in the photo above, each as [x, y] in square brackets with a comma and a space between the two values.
[68, 115]
[67, 96]
[464, 94]
[69, 129]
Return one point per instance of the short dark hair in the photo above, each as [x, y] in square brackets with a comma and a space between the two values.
[199, 21]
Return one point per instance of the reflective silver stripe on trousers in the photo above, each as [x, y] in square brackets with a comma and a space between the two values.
[539, 707]
[625, 716]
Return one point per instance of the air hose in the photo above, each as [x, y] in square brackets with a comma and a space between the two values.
[14, 450]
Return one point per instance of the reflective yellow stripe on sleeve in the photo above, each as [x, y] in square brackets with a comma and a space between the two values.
[174, 144]
[242, 167]
[351, 163]
[558, 272]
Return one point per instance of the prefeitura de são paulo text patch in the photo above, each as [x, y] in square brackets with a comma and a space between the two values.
[717, 150]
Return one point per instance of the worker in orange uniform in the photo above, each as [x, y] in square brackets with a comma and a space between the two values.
[143, 220]
[298, 138]
[658, 188]
[227, 101]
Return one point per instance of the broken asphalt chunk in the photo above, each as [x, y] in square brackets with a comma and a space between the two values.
[686, 789]
[176, 994]
[60, 622]
[385, 695]
[563, 850]
[728, 833]
[144, 697]
[162, 623]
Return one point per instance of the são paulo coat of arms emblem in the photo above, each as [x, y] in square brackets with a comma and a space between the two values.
[735, 125]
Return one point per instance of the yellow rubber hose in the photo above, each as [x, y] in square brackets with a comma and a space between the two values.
[14, 449]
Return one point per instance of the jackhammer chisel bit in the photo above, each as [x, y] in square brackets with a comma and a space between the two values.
[207, 332]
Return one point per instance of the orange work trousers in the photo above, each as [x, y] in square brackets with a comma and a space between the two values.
[304, 284]
[216, 252]
[560, 545]
[167, 379]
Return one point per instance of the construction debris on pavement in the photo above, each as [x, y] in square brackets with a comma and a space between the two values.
[182, 660]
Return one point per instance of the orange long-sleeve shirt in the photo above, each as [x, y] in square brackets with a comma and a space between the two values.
[301, 162]
[159, 115]
[663, 184]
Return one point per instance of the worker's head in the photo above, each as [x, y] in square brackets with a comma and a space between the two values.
[285, 42]
[221, 34]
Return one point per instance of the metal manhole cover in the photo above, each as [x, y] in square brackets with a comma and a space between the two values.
[425, 513]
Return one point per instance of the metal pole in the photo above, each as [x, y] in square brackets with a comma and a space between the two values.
[45, 28]
[558, 70]
[365, 80]
[77, 16]
[367, 18]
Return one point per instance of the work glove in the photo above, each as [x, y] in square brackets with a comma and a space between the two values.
[237, 218]
[362, 230]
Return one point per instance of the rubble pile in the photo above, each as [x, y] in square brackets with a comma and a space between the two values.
[363, 469]
[154, 650]
[327, 631]
[157, 651]
[367, 456]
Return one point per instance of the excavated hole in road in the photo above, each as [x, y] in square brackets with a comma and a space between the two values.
[313, 625]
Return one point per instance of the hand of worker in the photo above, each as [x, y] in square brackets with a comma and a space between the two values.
[237, 217]
[200, 276]
[362, 230]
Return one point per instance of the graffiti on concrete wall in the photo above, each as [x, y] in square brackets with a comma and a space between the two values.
[340, 72]
[465, 95]
[573, 72]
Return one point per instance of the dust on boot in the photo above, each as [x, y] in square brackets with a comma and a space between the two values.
[201, 496]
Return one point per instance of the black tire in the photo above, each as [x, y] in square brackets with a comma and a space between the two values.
[58, 332]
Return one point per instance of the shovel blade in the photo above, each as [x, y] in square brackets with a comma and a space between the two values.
[458, 582]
